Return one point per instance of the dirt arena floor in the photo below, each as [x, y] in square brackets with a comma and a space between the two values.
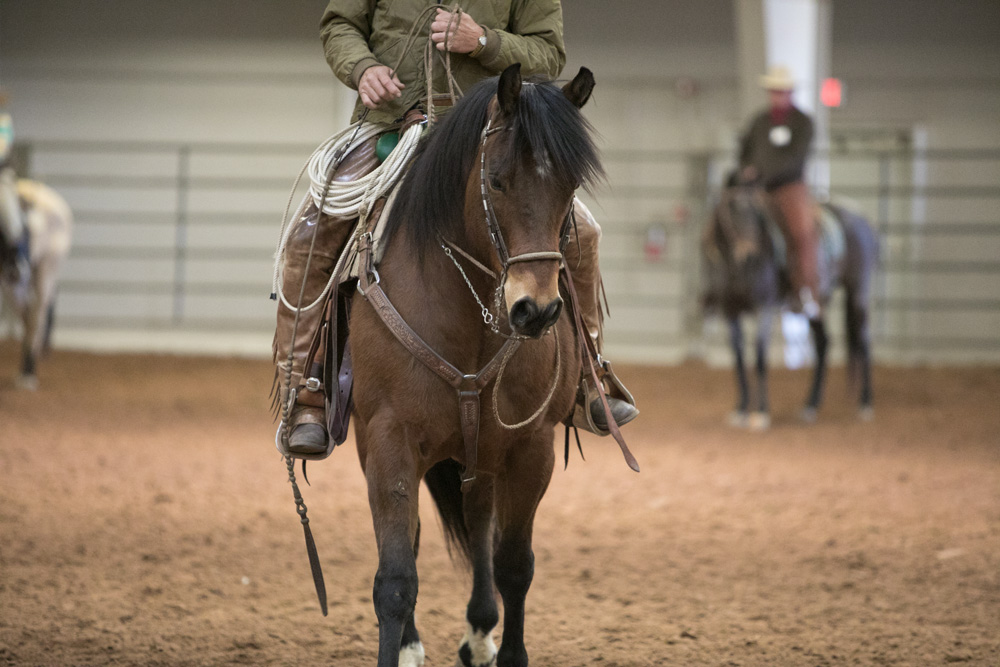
[146, 519]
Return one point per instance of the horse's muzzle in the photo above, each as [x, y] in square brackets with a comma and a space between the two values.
[528, 319]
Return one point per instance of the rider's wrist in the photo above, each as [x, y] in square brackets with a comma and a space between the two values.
[489, 52]
[482, 42]
[360, 68]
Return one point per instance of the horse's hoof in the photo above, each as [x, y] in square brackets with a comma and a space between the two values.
[477, 649]
[866, 414]
[808, 416]
[412, 655]
[737, 419]
[28, 382]
[759, 421]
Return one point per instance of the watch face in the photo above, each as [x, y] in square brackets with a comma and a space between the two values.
[482, 40]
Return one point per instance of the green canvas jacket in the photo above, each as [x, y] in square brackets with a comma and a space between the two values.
[777, 164]
[358, 34]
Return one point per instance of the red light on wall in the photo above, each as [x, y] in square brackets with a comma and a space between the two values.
[832, 93]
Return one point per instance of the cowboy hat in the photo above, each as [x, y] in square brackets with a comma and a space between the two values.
[778, 77]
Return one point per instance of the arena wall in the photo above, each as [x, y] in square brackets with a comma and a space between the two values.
[176, 129]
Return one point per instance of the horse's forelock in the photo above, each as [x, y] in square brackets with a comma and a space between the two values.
[557, 135]
[545, 123]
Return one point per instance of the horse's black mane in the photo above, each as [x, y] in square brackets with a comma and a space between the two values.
[546, 124]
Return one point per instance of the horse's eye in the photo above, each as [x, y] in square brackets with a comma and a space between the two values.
[495, 183]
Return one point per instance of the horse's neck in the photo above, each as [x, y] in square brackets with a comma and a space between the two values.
[434, 299]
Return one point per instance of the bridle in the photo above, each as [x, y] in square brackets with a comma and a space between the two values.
[499, 243]
[496, 234]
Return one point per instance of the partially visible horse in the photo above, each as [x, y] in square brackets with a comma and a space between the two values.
[29, 288]
[475, 237]
[746, 274]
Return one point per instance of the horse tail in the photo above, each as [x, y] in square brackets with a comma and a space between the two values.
[444, 480]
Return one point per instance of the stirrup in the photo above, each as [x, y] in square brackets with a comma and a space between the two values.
[582, 417]
[295, 420]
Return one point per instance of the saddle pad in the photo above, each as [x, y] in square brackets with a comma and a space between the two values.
[777, 242]
[833, 243]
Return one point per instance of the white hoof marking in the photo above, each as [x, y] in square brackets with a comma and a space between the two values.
[736, 419]
[808, 416]
[866, 414]
[759, 421]
[412, 655]
[481, 646]
[28, 382]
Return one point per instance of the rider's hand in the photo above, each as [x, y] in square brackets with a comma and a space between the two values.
[463, 34]
[378, 84]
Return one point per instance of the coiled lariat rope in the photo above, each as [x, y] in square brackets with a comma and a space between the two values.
[353, 199]
[342, 199]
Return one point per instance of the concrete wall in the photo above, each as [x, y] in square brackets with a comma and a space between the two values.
[202, 77]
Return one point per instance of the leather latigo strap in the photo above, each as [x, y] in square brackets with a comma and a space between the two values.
[588, 353]
[468, 386]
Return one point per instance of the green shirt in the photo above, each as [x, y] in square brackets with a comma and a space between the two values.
[358, 34]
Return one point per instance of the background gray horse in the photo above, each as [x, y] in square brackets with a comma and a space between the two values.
[28, 290]
[746, 275]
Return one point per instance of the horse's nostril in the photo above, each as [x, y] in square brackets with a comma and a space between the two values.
[528, 319]
[552, 312]
[524, 311]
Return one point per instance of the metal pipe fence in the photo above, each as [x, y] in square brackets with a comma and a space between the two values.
[180, 237]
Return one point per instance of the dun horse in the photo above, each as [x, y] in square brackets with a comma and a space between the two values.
[476, 234]
[746, 275]
[29, 288]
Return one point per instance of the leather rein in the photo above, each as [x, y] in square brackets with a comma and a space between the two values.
[469, 386]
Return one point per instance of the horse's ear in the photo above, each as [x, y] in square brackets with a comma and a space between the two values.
[578, 90]
[509, 89]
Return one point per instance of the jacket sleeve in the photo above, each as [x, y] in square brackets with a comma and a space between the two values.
[746, 144]
[345, 30]
[534, 38]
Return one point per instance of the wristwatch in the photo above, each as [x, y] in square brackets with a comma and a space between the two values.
[480, 46]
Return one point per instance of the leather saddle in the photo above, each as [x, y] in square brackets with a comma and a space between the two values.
[330, 352]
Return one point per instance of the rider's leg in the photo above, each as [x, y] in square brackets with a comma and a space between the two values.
[306, 421]
[582, 261]
[795, 211]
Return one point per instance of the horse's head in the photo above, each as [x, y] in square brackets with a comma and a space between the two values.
[536, 151]
[737, 245]
[520, 149]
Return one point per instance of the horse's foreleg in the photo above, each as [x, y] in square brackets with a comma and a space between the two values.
[36, 316]
[859, 347]
[411, 648]
[31, 347]
[761, 418]
[739, 416]
[519, 489]
[392, 494]
[477, 648]
[820, 341]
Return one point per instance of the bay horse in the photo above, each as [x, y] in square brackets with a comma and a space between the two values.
[29, 289]
[746, 275]
[472, 263]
